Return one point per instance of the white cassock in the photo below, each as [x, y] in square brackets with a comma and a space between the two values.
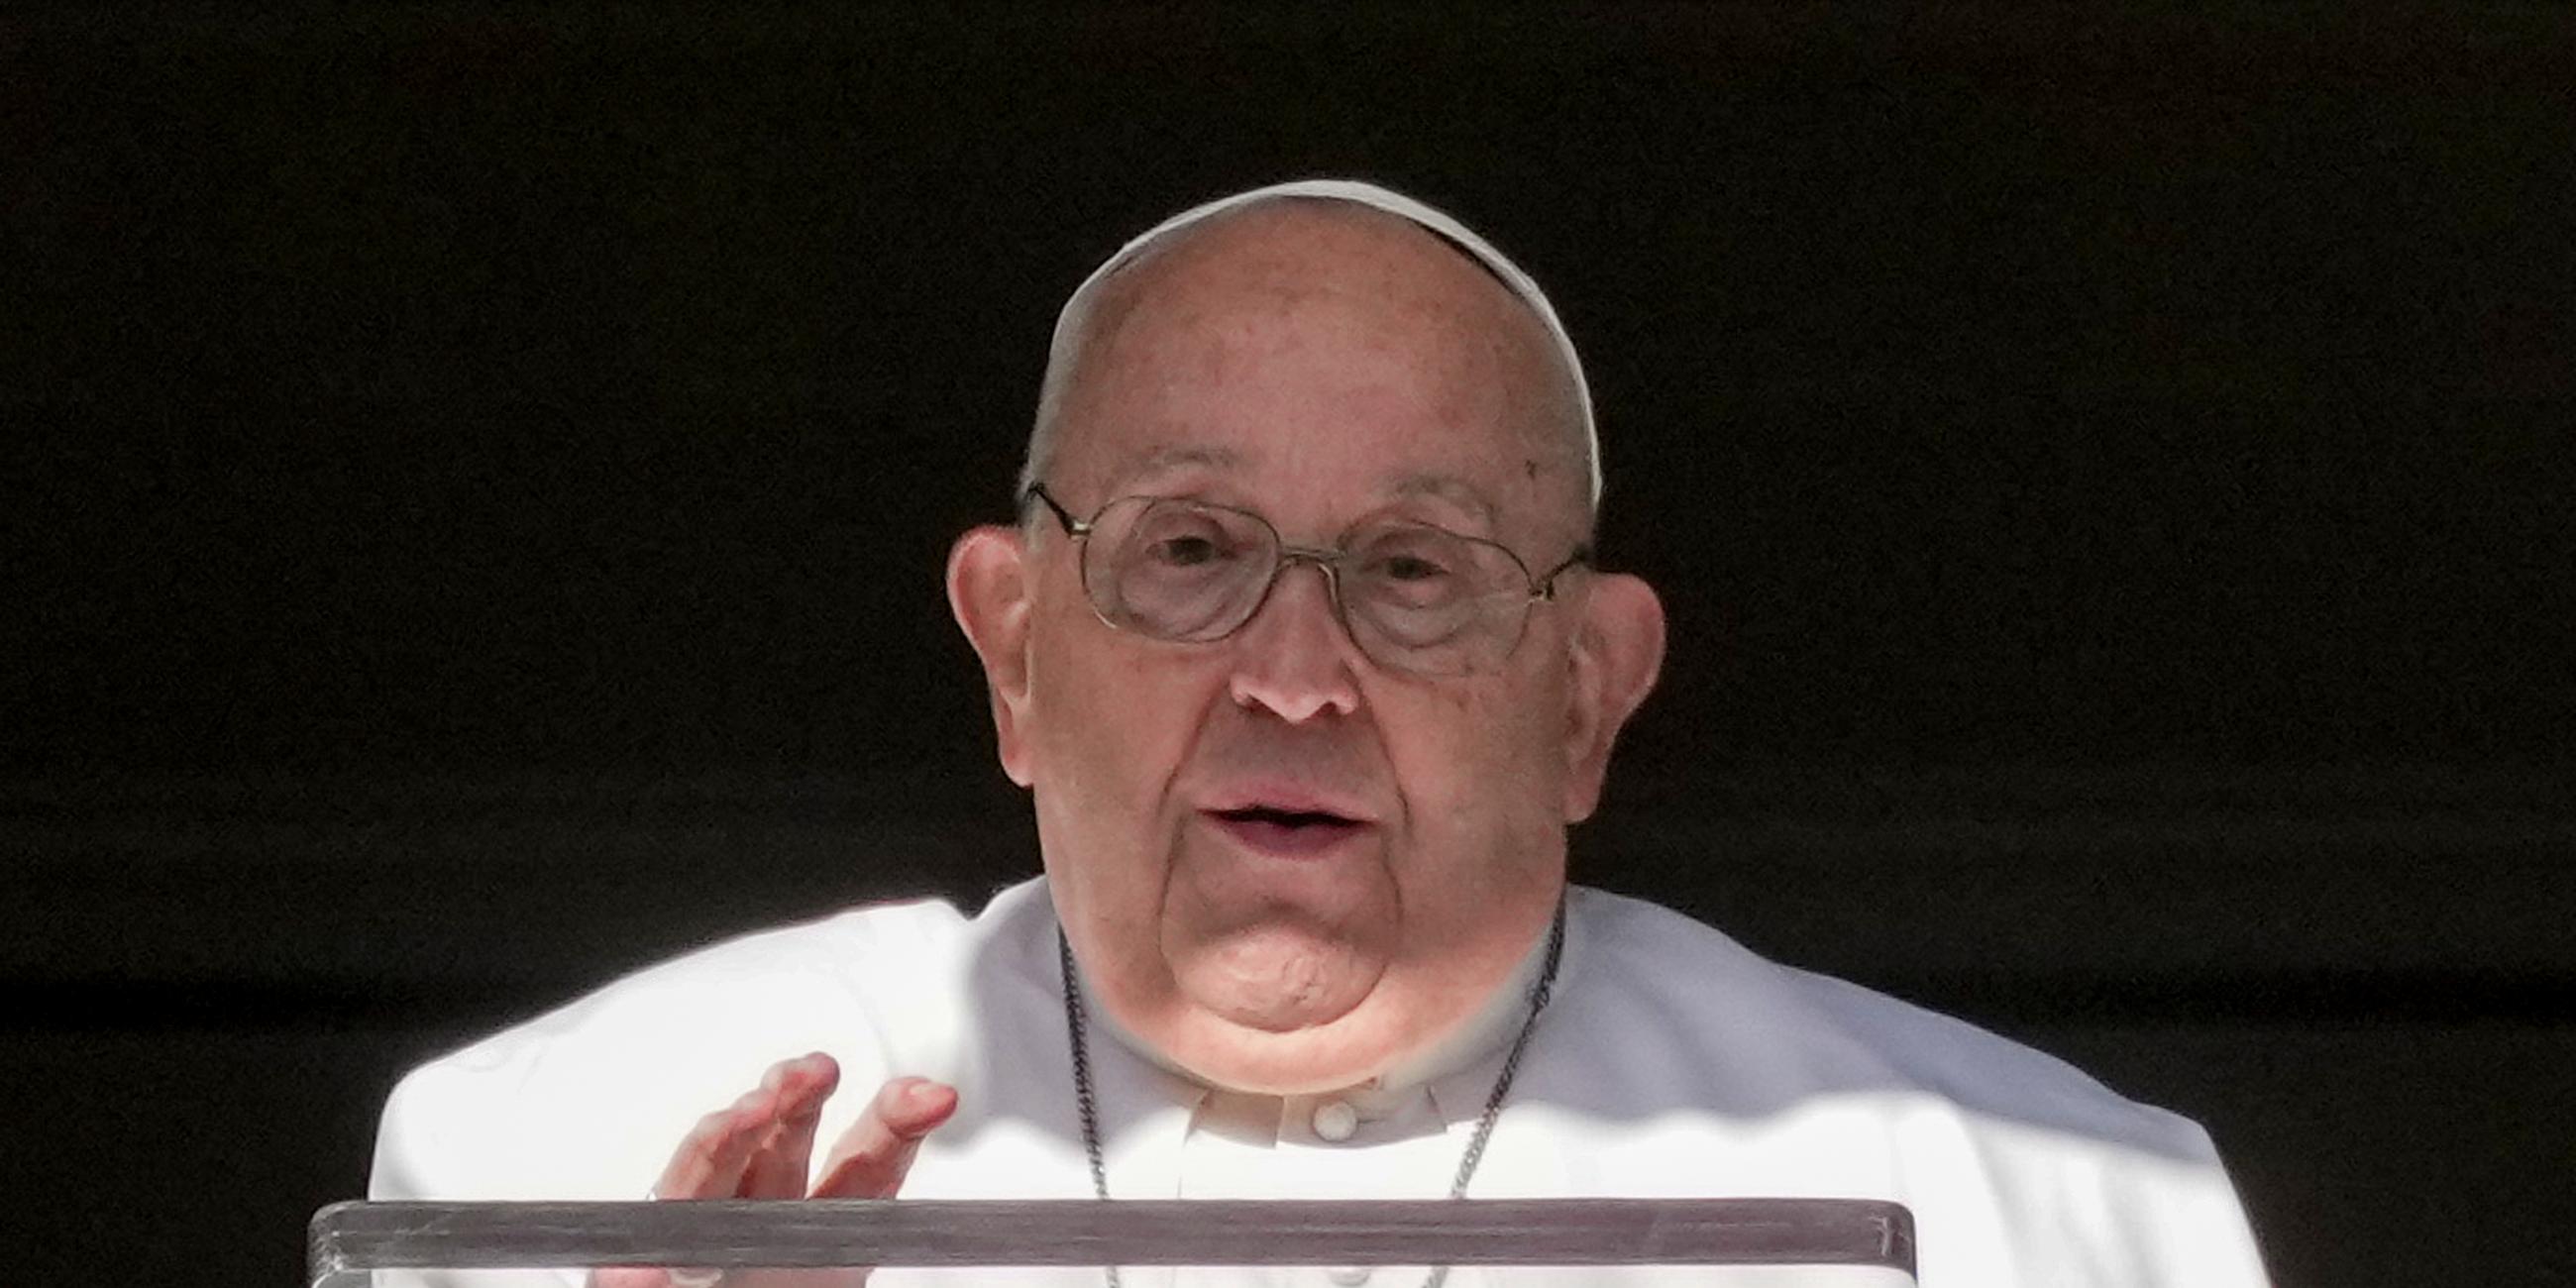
[1672, 1063]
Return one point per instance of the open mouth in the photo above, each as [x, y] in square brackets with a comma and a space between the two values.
[1285, 832]
[1263, 814]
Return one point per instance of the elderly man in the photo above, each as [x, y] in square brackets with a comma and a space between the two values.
[1299, 650]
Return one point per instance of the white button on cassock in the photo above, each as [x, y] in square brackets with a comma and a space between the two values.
[1335, 1120]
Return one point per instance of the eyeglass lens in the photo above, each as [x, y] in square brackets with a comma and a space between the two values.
[1417, 598]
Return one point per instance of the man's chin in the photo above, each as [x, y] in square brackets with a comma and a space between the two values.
[1281, 1062]
[1272, 1015]
[1254, 1034]
[1282, 976]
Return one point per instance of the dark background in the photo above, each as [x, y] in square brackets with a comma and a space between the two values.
[474, 479]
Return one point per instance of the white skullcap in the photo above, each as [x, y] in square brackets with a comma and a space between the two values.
[1069, 323]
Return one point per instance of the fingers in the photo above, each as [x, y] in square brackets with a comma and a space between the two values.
[870, 1159]
[777, 1169]
[736, 1152]
[759, 1147]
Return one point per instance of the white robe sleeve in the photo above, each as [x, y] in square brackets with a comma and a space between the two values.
[589, 1101]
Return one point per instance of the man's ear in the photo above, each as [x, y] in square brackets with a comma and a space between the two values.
[989, 592]
[1618, 652]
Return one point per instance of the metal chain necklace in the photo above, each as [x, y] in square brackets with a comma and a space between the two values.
[1088, 1107]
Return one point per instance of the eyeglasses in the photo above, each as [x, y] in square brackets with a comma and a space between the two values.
[1416, 598]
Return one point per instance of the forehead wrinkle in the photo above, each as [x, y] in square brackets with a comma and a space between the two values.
[1163, 458]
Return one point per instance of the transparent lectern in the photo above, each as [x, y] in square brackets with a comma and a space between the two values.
[1721, 1243]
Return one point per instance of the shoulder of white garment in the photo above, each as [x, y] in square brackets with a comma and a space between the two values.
[587, 1100]
[1702, 1063]
[1664, 981]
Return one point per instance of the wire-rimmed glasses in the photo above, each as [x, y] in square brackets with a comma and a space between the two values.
[1416, 598]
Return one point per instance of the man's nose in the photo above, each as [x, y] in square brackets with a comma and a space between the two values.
[1294, 659]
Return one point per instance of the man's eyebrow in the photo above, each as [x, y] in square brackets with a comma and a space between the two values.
[1448, 487]
[1163, 460]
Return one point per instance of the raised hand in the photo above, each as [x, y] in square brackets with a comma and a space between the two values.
[761, 1147]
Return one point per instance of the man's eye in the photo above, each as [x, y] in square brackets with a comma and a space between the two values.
[1184, 552]
[1411, 568]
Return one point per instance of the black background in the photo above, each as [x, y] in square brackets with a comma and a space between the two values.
[475, 481]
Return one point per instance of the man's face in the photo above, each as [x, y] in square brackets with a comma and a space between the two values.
[1281, 863]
